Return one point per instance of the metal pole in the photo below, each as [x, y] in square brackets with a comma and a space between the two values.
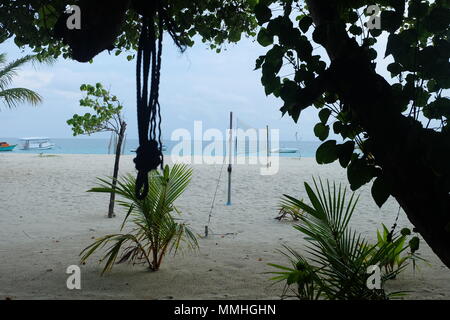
[229, 156]
[268, 150]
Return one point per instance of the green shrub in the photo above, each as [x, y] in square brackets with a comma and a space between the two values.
[338, 257]
[403, 252]
[287, 208]
[155, 231]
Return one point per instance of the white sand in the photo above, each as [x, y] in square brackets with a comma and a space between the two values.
[47, 218]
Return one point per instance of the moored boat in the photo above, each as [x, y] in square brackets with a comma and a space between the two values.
[4, 146]
[36, 143]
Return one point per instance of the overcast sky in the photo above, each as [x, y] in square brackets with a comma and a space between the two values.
[198, 84]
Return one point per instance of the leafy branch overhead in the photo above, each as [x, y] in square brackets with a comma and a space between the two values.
[293, 69]
[215, 22]
[107, 112]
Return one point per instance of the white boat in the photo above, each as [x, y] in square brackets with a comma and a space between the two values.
[284, 150]
[36, 143]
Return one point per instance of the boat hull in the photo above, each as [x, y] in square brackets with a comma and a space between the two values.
[8, 148]
[46, 146]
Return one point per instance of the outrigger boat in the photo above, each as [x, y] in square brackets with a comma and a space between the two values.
[4, 146]
[36, 143]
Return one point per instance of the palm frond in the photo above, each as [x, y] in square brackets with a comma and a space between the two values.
[15, 96]
[155, 230]
[338, 257]
[12, 97]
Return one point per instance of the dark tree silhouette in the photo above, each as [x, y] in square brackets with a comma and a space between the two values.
[408, 160]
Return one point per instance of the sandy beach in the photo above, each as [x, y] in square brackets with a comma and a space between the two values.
[47, 218]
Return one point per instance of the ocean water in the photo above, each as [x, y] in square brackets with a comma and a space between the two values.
[306, 149]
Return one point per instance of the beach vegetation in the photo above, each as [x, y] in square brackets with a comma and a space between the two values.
[43, 155]
[337, 257]
[154, 229]
[287, 208]
[107, 117]
[406, 246]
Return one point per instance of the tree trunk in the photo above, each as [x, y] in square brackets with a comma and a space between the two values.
[112, 197]
[404, 150]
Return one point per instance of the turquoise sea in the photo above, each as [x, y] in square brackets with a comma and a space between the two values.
[102, 146]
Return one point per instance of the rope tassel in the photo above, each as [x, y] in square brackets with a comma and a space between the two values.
[149, 153]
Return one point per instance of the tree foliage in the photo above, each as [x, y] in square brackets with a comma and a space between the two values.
[394, 130]
[418, 44]
[215, 22]
[107, 108]
[107, 117]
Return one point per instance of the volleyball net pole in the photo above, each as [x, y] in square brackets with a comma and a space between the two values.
[230, 159]
[268, 146]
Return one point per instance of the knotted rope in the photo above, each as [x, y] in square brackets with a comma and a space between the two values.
[149, 153]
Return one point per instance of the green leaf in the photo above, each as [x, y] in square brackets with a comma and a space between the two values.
[321, 131]
[320, 34]
[359, 173]
[375, 32]
[324, 114]
[327, 152]
[345, 152]
[438, 19]
[432, 85]
[414, 244]
[372, 53]
[305, 23]
[390, 20]
[417, 9]
[303, 48]
[330, 97]
[264, 38]
[355, 30]
[262, 13]
[259, 62]
[437, 109]
[405, 232]
[395, 69]
[380, 191]
[337, 127]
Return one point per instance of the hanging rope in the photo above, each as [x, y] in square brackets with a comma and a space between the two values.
[155, 14]
[149, 153]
